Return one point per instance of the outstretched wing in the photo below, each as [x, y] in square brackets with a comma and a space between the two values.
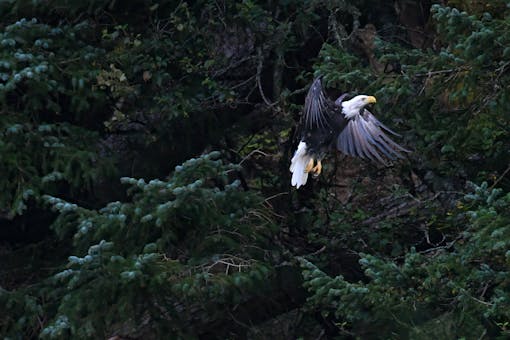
[316, 106]
[365, 137]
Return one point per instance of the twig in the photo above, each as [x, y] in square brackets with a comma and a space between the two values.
[427, 238]
[276, 195]
[239, 322]
[321, 334]
[259, 83]
[245, 144]
[252, 153]
[338, 29]
[447, 246]
[500, 178]
[317, 251]
[231, 66]
[481, 301]
[432, 73]
[69, 61]
[400, 210]
[484, 290]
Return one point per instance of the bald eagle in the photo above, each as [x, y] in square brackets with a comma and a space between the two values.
[344, 124]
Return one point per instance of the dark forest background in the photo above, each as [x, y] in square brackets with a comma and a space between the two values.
[145, 190]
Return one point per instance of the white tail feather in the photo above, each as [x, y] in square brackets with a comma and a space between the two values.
[298, 165]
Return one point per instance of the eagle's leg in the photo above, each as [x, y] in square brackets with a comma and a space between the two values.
[309, 166]
[317, 169]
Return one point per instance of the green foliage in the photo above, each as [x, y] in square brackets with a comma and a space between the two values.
[42, 63]
[36, 159]
[343, 69]
[97, 93]
[19, 313]
[473, 65]
[195, 240]
[462, 85]
[457, 289]
[473, 54]
[465, 281]
[44, 67]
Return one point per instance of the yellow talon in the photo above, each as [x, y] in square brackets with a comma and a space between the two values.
[317, 169]
[309, 166]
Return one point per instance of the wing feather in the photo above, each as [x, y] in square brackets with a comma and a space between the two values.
[371, 144]
[357, 140]
[316, 106]
[368, 116]
[365, 137]
[380, 140]
[368, 149]
[348, 141]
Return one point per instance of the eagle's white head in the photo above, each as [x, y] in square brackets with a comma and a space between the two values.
[353, 107]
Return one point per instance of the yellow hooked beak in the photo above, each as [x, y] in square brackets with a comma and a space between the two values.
[371, 100]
